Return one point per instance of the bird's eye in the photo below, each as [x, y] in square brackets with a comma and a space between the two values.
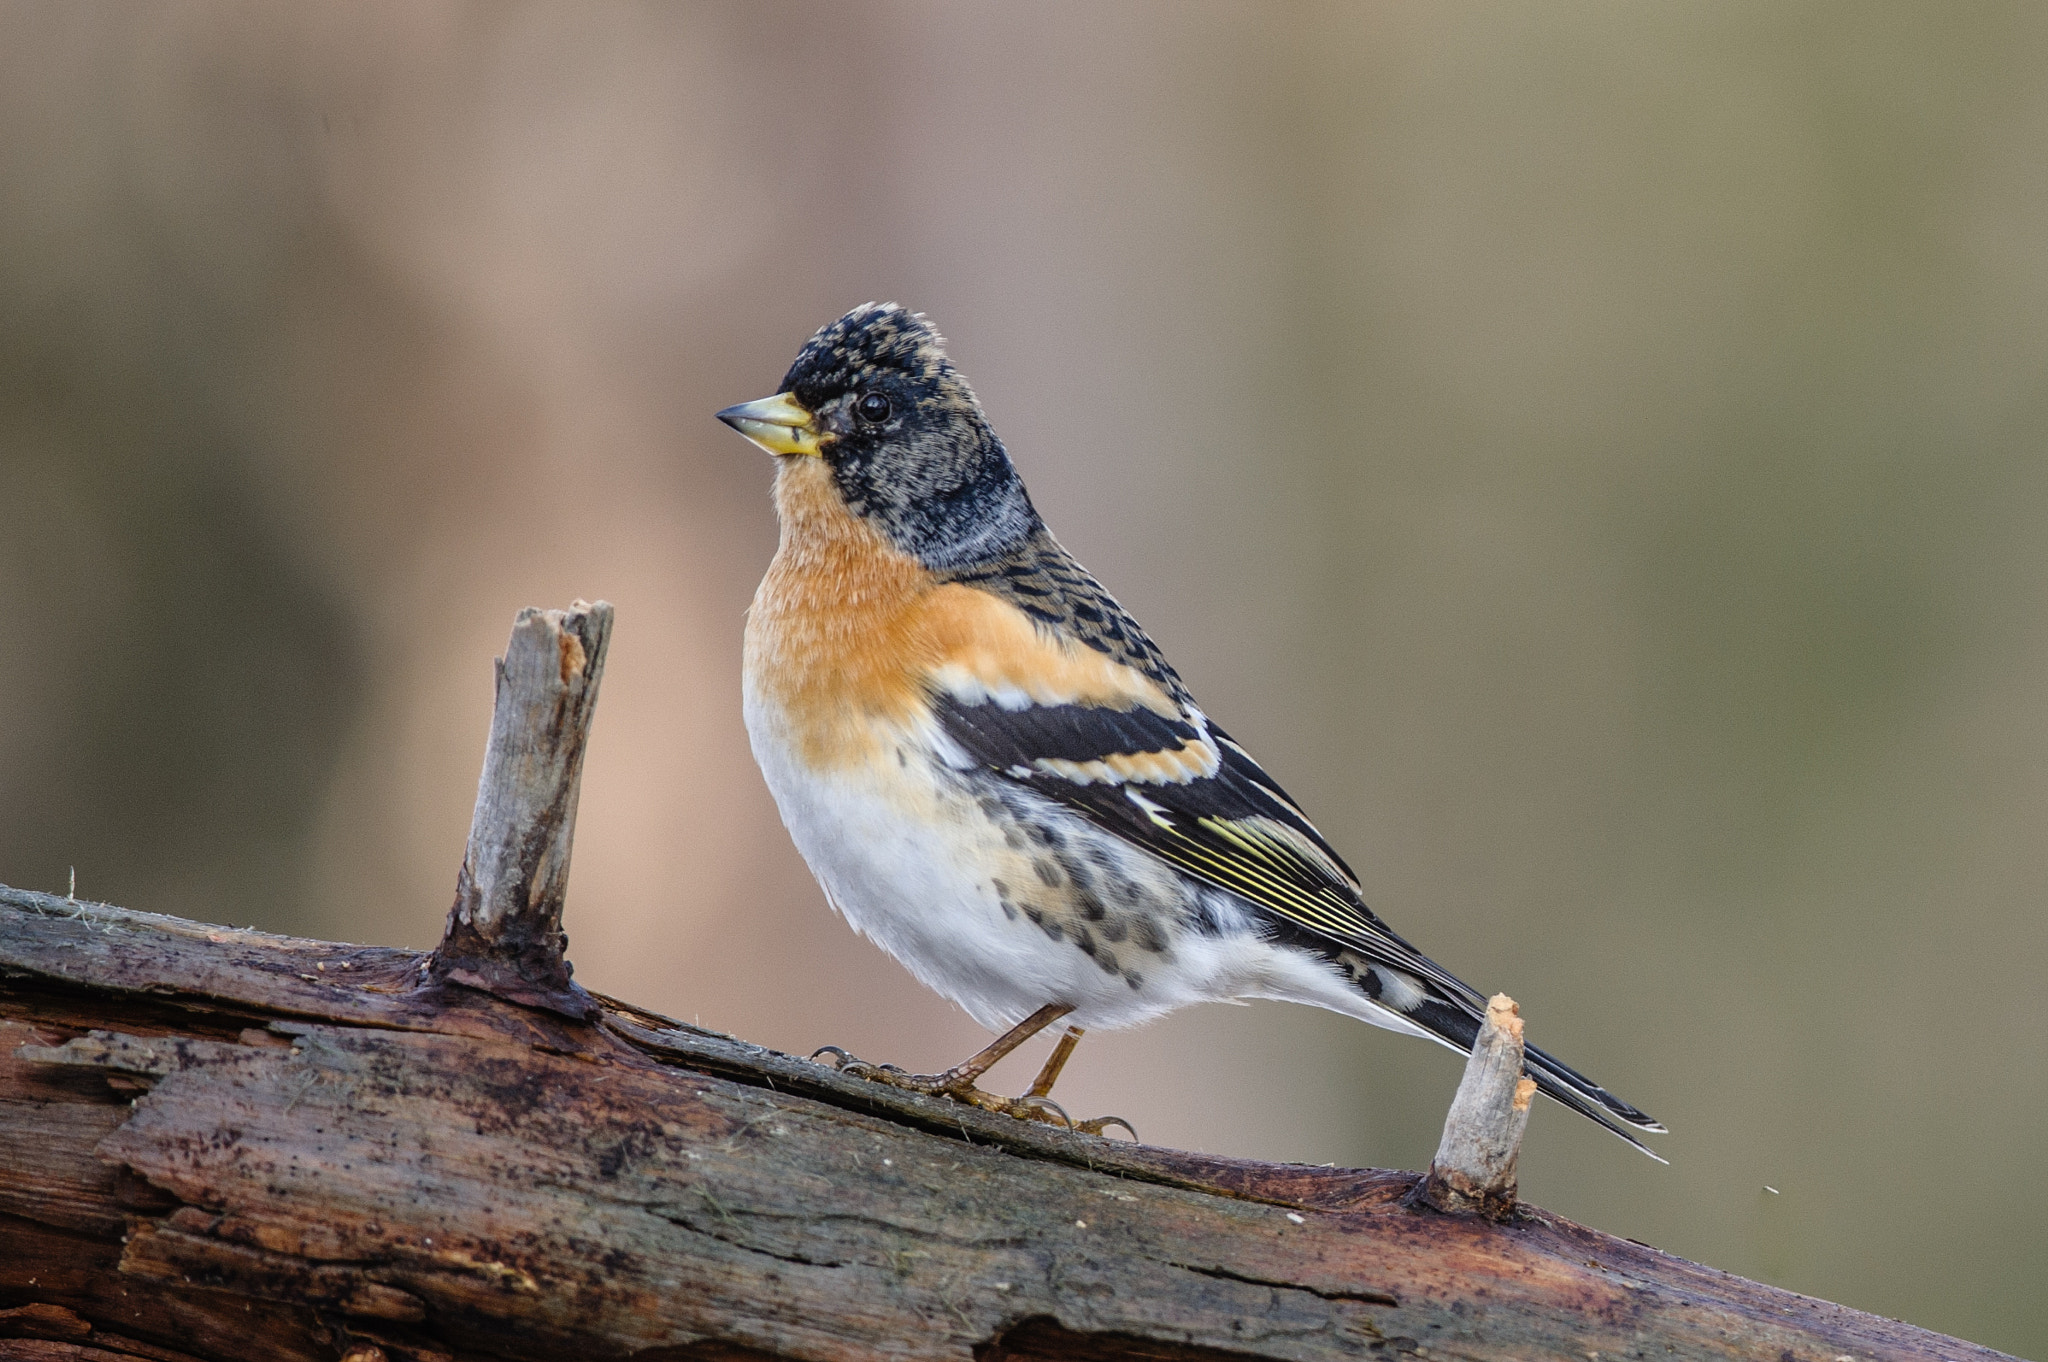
[873, 408]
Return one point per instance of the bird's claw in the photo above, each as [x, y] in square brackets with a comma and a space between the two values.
[1042, 1109]
[853, 1066]
[1103, 1123]
[1049, 1112]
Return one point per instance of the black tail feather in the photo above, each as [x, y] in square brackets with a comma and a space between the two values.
[1564, 1084]
[1555, 1079]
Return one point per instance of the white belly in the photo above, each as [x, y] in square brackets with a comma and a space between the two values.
[909, 858]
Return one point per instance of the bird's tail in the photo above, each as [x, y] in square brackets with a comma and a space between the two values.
[1561, 1082]
[1554, 1078]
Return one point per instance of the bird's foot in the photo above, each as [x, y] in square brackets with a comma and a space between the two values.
[960, 1087]
[951, 1083]
[1037, 1107]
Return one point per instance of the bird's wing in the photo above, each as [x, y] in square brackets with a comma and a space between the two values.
[1137, 758]
[1182, 789]
[1026, 685]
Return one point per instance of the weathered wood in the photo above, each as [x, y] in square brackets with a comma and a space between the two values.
[1474, 1168]
[320, 1160]
[504, 932]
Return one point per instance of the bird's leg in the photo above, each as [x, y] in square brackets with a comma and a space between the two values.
[960, 1078]
[1037, 1103]
[1041, 1086]
[958, 1081]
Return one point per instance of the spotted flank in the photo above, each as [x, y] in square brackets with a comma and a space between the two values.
[1101, 896]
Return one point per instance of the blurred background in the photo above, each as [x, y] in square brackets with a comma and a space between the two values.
[1592, 452]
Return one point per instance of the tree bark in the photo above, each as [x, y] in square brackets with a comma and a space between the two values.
[221, 1144]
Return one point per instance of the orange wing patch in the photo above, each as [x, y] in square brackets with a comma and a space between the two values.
[989, 651]
[1196, 760]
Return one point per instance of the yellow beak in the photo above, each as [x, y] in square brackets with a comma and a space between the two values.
[778, 424]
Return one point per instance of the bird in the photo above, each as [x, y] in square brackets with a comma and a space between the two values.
[995, 774]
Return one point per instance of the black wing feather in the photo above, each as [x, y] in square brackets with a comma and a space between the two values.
[1005, 738]
[1220, 829]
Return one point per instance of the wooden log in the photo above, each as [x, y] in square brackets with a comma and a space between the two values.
[219, 1144]
[1473, 1172]
[504, 932]
[304, 1158]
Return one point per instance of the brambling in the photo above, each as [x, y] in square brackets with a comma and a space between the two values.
[994, 773]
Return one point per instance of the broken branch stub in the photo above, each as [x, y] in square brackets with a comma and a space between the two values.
[504, 932]
[1474, 1167]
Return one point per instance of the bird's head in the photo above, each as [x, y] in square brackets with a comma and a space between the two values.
[874, 397]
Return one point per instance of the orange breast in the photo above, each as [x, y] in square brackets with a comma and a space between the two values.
[848, 636]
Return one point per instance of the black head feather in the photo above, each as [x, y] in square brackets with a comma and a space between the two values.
[921, 462]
